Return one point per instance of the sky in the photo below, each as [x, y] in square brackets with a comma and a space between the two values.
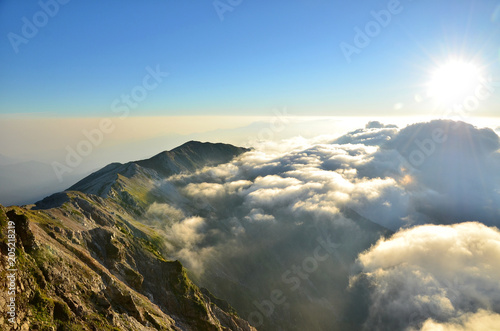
[241, 59]
[159, 73]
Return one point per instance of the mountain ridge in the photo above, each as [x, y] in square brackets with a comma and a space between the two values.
[189, 156]
[86, 263]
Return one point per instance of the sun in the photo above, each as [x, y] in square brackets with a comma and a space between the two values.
[453, 81]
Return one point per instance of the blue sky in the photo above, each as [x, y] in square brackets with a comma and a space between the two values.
[261, 56]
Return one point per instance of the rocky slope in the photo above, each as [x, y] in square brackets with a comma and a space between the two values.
[85, 263]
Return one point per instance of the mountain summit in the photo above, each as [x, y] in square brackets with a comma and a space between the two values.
[188, 157]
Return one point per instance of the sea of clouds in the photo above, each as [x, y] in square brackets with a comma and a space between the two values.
[436, 185]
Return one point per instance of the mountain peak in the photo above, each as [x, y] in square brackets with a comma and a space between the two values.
[191, 156]
[198, 146]
[193, 144]
[188, 157]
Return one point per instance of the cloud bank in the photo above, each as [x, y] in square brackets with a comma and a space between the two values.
[433, 277]
[482, 320]
[248, 221]
[372, 171]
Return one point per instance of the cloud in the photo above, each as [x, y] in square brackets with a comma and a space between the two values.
[185, 238]
[208, 190]
[368, 170]
[257, 215]
[164, 212]
[273, 193]
[371, 135]
[453, 167]
[432, 274]
[189, 231]
[272, 203]
[482, 320]
[378, 125]
[308, 181]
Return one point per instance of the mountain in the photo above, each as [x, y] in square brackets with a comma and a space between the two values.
[188, 157]
[84, 263]
[110, 251]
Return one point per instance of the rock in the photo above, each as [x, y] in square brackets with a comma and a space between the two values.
[23, 231]
[61, 311]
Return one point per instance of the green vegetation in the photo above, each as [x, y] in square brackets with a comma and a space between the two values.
[123, 229]
[150, 247]
[3, 219]
[42, 308]
[76, 212]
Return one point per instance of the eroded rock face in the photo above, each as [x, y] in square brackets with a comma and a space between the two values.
[81, 267]
[23, 231]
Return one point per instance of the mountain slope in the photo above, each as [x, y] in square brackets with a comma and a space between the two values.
[86, 263]
[81, 268]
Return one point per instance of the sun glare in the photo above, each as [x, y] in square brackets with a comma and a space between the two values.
[453, 81]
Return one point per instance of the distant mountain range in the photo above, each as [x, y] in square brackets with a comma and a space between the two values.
[108, 254]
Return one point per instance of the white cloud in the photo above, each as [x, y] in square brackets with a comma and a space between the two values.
[207, 190]
[188, 232]
[437, 272]
[164, 211]
[481, 321]
[365, 170]
[257, 215]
